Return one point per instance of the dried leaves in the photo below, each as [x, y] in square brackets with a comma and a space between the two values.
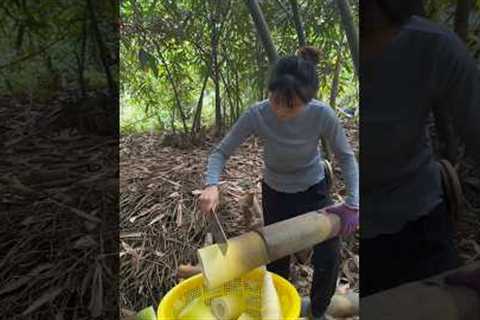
[57, 223]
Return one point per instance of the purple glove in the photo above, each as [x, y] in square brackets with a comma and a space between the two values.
[468, 279]
[348, 216]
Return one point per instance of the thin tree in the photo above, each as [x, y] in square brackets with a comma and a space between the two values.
[350, 30]
[262, 30]
[298, 23]
[462, 13]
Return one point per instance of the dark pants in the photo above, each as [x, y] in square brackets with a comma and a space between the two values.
[423, 248]
[278, 206]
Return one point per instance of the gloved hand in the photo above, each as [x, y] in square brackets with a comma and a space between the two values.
[468, 279]
[348, 217]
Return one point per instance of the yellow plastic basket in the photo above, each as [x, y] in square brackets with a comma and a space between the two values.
[248, 287]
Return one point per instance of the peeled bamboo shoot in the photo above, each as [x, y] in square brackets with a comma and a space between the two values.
[271, 308]
[146, 314]
[245, 316]
[196, 310]
[245, 253]
[228, 307]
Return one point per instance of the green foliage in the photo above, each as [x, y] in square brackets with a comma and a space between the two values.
[443, 12]
[40, 45]
[166, 53]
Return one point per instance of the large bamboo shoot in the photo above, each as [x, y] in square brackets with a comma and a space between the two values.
[254, 249]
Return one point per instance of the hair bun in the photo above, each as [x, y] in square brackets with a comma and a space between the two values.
[309, 53]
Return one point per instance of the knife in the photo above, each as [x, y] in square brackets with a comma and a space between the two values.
[217, 232]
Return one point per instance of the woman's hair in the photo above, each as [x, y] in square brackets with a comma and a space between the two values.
[400, 11]
[296, 75]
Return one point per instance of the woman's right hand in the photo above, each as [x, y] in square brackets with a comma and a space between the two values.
[209, 200]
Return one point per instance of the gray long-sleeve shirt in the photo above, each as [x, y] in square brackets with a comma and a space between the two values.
[423, 68]
[291, 148]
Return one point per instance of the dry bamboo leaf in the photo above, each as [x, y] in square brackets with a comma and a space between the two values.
[125, 235]
[179, 214]
[86, 241]
[44, 298]
[96, 300]
[156, 219]
[25, 279]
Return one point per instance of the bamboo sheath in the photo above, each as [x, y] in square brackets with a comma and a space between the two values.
[425, 299]
[257, 248]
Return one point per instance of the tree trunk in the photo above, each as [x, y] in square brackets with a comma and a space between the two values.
[298, 23]
[81, 58]
[102, 48]
[197, 119]
[350, 30]
[262, 29]
[336, 78]
[461, 18]
[218, 104]
[175, 91]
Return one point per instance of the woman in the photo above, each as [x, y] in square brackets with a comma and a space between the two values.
[291, 124]
[410, 68]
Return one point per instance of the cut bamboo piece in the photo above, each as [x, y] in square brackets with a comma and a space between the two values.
[228, 307]
[271, 308]
[425, 299]
[344, 305]
[196, 310]
[245, 316]
[254, 249]
[245, 253]
[185, 271]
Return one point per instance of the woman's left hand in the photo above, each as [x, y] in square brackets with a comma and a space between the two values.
[348, 217]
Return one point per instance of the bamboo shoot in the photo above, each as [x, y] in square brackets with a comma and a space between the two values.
[146, 314]
[344, 305]
[245, 253]
[228, 307]
[271, 308]
[245, 316]
[195, 310]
